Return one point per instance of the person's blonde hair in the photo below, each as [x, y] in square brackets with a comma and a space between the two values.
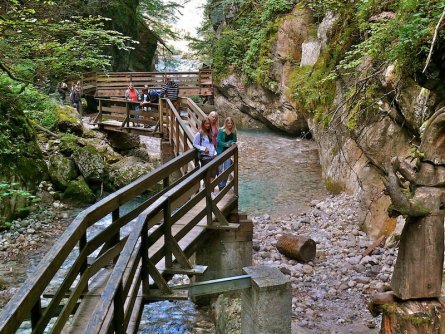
[229, 119]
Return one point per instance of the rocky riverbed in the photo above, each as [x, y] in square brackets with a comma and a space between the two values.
[27, 241]
[329, 293]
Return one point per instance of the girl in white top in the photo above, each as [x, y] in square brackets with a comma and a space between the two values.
[204, 143]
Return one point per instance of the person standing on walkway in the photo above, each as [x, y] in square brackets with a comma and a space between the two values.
[63, 89]
[226, 138]
[170, 90]
[75, 98]
[213, 116]
[202, 141]
[132, 95]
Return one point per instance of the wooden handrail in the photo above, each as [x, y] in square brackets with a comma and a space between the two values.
[21, 304]
[99, 316]
[133, 265]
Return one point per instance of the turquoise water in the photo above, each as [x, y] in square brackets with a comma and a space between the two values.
[279, 175]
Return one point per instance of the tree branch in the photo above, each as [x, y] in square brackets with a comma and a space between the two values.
[436, 32]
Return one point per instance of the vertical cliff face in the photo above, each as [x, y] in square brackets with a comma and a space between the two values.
[360, 119]
[125, 19]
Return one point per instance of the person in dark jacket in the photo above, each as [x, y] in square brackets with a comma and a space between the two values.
[62, 90]
[170, 90]
[75, 97]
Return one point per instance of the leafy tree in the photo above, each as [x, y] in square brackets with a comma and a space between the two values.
[43, 40]
[160, 16]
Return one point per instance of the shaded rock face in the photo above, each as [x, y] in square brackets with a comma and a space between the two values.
[123, 141]
[78, 191]
[271, 105]
[21, 160]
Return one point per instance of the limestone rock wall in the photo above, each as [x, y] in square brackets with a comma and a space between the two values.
[353, 158]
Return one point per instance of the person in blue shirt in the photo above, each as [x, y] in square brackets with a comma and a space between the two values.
[226, 137]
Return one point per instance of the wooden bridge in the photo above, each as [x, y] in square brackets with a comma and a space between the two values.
[115, 113]
[113, 273]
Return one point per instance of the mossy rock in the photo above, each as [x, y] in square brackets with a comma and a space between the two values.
[62, 170]
[68, 145]
[78, 190]
[103, 148]
[126, 171]
[69, 120]
[90, 163]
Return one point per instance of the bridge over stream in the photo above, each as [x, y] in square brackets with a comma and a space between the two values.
[114, 273]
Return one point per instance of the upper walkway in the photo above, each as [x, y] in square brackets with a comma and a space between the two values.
[111, 274]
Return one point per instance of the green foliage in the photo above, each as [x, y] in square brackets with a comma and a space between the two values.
[36, 105]
[12, 189]
[245, 42]
[43, 40]
[160, 15]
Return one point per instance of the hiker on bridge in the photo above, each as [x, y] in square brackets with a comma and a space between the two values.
[170, 90]
[226, 138]
[132, 94]
[213, 116]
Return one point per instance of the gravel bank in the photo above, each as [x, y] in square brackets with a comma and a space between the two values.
[329, 293]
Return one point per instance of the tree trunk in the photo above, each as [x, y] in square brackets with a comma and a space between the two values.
[296, 247]
[413, 317]
[418, 270]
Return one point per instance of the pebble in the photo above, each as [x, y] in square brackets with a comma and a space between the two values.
[339, 275]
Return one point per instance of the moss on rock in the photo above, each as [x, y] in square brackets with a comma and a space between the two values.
[126, 171]
[62, 170]
[90, 163]
[69, 120]
[78, 190]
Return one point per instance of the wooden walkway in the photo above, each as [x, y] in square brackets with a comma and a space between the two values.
[113, 275]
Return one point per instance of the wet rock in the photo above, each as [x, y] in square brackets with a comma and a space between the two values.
[62, 170]
[79, 191]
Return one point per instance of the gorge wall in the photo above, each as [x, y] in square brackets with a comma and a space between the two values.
[356, 140]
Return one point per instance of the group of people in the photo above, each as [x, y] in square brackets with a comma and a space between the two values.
[212, 141]
[169, 89]
[74, 94]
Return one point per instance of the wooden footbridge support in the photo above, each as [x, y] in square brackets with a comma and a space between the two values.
[104, 277]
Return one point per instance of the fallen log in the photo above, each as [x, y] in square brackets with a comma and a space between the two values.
[297, 247]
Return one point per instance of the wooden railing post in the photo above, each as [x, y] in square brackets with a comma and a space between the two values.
[161, 118]
[170, 135]
[100, 111]
[128, 113]
[115, 215]
[118, 318]
[167, 234]
[144, 256]
[235, 172]
[84, 266]
[177, 139]
[36, 313]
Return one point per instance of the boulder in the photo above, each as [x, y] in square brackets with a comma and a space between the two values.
[62, 170]
[103, 148]
[69, 120]
[90, 163]
[126, 171]
[123, 141]
[78, 190]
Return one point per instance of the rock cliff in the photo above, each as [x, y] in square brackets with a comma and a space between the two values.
[355, 143]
